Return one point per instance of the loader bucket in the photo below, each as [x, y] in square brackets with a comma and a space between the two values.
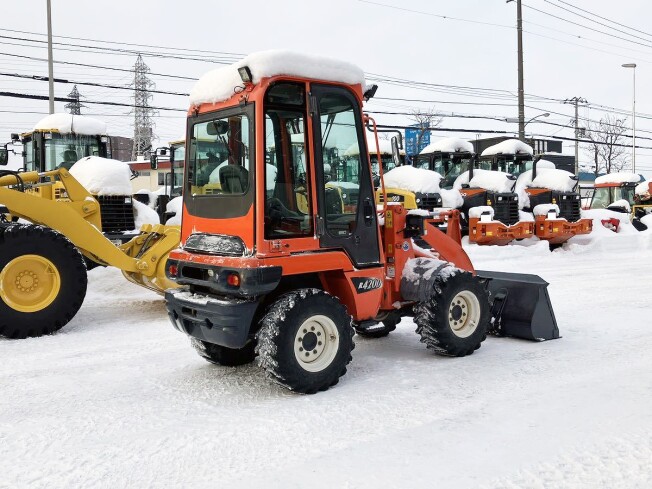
[520, 305]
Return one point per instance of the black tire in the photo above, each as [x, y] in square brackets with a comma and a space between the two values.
[20, 240]
[437, 318]
[322, 315]
[221, 355]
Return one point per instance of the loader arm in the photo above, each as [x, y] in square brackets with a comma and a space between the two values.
[80, 221]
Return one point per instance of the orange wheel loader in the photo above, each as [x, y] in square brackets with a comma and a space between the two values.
[263, 276]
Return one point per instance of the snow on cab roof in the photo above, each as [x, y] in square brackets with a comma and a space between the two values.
[448, 145]
[219, 84]
[622, 177]
[509, 146]
[68, 123]
[413, 179]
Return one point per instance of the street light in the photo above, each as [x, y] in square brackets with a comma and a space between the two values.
[633, 66]
[514, 119]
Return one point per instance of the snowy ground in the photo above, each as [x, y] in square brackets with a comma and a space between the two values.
[119, 399]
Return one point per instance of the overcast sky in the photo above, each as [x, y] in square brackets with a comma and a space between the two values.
[475, 46]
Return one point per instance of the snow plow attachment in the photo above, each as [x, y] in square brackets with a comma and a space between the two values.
[520, 305]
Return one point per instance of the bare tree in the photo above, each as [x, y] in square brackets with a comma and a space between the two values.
[425, 119]
[607, 147]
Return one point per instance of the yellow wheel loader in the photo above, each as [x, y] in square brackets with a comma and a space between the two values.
[42, 271]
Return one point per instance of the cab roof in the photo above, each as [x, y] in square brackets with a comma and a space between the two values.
[220, 84]
[71, 124]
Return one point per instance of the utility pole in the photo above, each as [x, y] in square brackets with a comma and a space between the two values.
[50, 69]
[576, 101]
[143, 113]
[521, 90]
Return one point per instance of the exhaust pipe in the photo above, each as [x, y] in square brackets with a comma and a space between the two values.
[520, 305]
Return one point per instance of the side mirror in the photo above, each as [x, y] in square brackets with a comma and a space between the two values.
[153, 161]
[396, 156]
[4, 156]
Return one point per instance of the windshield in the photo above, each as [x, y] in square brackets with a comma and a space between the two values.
[453, 167]
[219, 156]
[605, 196]
[64, 150]
[624, 193]
[515, 166]
[386, 160]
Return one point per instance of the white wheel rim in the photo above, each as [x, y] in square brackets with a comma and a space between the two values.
[464, 314]
[316, 343]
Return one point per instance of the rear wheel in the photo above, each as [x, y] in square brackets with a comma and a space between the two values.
[305, 341]
[42, 281]
[455, 320]
[221, 355]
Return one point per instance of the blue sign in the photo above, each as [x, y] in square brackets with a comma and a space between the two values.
[412, 137]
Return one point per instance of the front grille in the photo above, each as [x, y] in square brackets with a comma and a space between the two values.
[428, 201]
[117, 213]
[569, 205]
[505, 207]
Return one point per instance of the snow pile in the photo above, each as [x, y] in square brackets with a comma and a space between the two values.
[623, 177]
[219, 84]
[480, 210]
[143, 214]
[599, 230]
[102, 176]
[174, 206]
[647, 220]
[525, 216]
[413, 179]
[494, 181]
[509, 146]
[524, 180]
[545, 209]
[622, 203]
[553, 179]
[448, 145]
[418, 269]
[152, 197]
[644, 189]
[68, 123]
[451, 198]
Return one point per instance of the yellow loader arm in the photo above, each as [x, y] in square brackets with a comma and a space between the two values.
[142, 259]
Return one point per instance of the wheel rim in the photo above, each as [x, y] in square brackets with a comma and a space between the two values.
[316, 343]
[464, 314]
[29, 283]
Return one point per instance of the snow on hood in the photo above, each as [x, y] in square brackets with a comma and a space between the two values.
[494, 181]
[68, 123]
[644, 188]
[620, 203]
[413, 179]
[143, 214]
[544, 209]
[509, 146]
[219, 84]
[554, 179]
[102, 176]
[622, 177]
[448, 145]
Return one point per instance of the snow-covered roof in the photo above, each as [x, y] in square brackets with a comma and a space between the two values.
[413, 179]
[219, 84]
[622, 177]
[102, 176]
[448, 145]
[68, 123]
[509, 146]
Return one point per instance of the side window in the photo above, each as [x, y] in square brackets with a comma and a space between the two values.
[288, 208]
[161, 178]
[30, 163]
[342, 168]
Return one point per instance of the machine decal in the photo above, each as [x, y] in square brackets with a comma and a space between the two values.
[366, 284]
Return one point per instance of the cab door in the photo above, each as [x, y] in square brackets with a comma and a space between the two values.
[346, 211]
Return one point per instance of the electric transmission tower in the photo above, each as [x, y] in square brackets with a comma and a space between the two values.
[74, 106]
[142, 111]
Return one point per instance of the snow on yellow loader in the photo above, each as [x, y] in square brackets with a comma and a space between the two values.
[42, 272]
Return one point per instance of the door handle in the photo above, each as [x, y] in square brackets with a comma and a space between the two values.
[368, 210]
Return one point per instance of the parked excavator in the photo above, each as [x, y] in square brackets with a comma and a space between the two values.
[550, 195]
[263, 276]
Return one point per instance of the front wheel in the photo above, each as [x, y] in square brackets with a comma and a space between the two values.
[455, 320]
[42, 281]
[305, 341]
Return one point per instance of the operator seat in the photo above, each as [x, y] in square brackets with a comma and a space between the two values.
[69, 159]
[234, 179]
